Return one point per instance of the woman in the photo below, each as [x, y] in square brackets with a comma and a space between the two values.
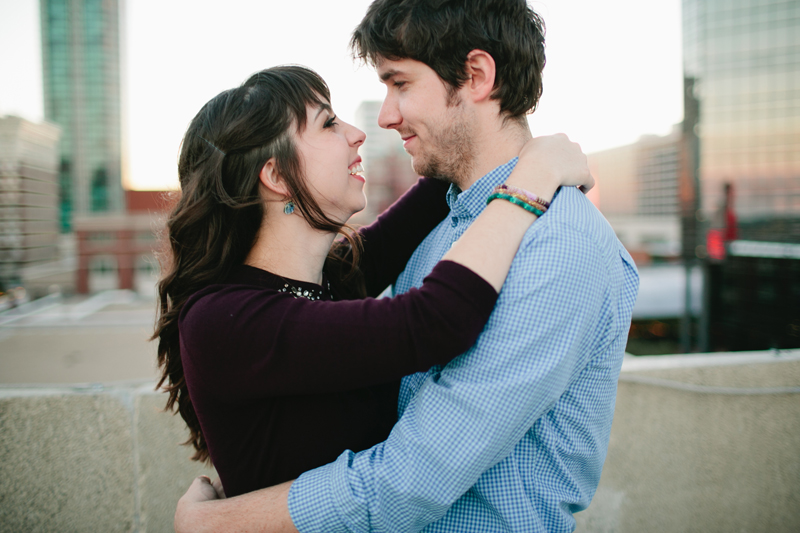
[274, 356]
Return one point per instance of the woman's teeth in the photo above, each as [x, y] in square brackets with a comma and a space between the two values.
[356, 170]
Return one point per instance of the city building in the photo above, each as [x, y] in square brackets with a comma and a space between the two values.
[81, 82]
[637, 188]
[740, 185]
[743, 61]
[118, 250]
[387, 166]
[29, 214]
[614, 171]
[658, 165]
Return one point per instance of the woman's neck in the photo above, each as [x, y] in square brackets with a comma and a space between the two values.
[289, 247]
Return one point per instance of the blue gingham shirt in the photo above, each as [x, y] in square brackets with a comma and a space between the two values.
[510, 436]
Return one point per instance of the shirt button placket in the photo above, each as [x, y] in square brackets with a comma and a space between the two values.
[454, 220]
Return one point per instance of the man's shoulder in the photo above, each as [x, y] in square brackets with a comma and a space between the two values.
[573, 220]
[572, 232]
[571, 208]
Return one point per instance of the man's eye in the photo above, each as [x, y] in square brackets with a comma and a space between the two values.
[399, 84]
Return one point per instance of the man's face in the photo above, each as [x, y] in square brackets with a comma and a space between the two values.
[436, 127]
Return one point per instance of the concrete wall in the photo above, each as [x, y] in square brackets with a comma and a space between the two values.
[685, 454]
[98, 459]
[702, 443]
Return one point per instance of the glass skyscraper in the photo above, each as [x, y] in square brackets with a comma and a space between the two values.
[741, 140]
[81, 67]
[743, 59]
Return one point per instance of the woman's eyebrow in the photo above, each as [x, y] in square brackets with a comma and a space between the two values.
[323, 107]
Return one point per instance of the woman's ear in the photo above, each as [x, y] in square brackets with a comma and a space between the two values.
[272, 180]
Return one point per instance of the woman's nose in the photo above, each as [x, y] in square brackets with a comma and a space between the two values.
[355, 136]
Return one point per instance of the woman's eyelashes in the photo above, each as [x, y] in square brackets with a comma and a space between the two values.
[331, 122]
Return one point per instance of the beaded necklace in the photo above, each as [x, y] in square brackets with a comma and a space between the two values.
[308, 294]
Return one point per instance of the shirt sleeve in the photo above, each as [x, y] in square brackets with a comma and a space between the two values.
[390, 241]
[245, 342]
[468, 417]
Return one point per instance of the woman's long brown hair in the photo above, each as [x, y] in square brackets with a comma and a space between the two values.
[219, 213]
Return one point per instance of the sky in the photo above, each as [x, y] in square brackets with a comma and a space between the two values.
[613, 68]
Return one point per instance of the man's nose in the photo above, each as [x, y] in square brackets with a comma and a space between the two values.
[389, 116]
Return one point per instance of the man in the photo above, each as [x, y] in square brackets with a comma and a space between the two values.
[512, 435]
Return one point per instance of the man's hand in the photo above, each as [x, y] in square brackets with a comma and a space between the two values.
[204, 508]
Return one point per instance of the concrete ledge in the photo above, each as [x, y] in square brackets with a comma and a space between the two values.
[713, 461]
[65, 465]
[91, 458]
[104, 457]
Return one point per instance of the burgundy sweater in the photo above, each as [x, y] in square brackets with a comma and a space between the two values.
[283, 385]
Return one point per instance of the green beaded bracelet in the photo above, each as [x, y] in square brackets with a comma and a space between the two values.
[516, 201]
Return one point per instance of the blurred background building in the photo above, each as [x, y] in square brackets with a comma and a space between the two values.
[117, 250]
[81, 82]
[637, 193]
[386, 163]
[74, 183]
[742, 73]
[29, 201]
[719, 197]
[743, 59]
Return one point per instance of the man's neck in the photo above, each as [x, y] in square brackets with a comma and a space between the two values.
[494, 145]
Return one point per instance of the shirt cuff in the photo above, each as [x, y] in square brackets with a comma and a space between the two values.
[320, 500]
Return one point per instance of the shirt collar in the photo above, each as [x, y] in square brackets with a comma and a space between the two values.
[472, 201]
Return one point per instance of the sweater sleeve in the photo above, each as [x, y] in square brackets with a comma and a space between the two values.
[245, 342]
[390, 241]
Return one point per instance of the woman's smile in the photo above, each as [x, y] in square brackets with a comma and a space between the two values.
[357, 170]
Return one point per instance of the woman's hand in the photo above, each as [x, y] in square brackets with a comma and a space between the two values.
[546, 163]
[190, 505]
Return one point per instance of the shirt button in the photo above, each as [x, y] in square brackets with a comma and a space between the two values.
[454, 221]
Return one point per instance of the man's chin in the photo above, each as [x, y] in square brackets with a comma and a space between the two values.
[422, 168]
[430, 171]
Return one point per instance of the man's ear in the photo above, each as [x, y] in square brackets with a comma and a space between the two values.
[272, 180]
[480, 68]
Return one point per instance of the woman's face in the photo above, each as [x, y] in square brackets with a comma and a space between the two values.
[328, 150]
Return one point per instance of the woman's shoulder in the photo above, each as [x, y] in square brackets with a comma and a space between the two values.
[225, 298]
[214, 309]
[244, 285]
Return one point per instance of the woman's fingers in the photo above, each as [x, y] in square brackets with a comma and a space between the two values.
[217, 484]
[201, 490]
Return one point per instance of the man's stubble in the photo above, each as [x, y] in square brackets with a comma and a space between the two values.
[450, 153]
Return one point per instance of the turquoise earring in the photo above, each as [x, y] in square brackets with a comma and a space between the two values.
[288, 207]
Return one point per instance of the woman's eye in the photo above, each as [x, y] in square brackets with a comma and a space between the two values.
[331, 122]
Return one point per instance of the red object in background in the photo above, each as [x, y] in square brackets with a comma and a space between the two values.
[731, 225]
[726, 230]
[150, 201]
[715, 244]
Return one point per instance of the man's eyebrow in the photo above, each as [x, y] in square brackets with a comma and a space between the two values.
[323, 107]
[388, 75]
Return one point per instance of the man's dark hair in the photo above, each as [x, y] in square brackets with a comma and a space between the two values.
[441, 33]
